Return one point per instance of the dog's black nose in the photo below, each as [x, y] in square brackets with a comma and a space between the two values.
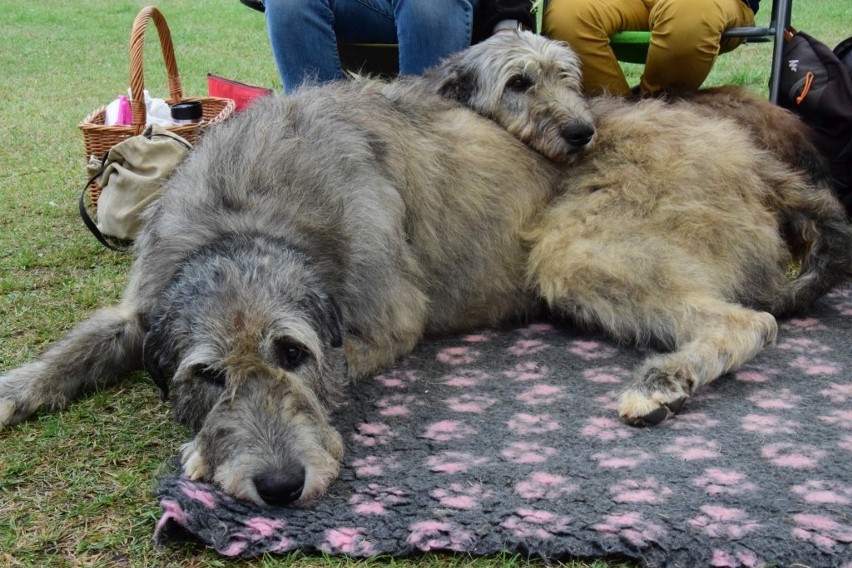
[577, 134]
[280, 490]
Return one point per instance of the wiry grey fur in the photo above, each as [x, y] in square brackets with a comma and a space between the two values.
[317, 238]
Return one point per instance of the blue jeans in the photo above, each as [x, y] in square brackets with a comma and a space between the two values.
[304, 33]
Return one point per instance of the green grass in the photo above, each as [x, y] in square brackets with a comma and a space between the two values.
[75, 486]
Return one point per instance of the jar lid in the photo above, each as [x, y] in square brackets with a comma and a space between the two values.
[187, 110]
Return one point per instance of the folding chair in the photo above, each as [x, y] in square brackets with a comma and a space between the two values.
[632, 46]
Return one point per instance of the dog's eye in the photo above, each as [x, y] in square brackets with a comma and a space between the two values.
[211, 376]
[289, 353]
[519, 83]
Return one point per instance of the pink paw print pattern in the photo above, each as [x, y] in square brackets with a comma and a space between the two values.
[483, 336]
[824, 492]
[700, 421]
[689, 448]
[456, 356]
[803, 345]
[541, 485]
[756, 374]
[825, 532]
[768, 425]
[530, 524]
[771, 399]
[349, 541]
[603, 375]
[461, 496]
[397, 378]
[725, 522]
[793, 455]
[527, 347]
[609, 401]
[837, 393]
[622, 458]
[591, 350]
[376, 465]
[816, 366]
[377, 499]
[466, 378]
[470, 403]
[206, 498]
[802, 324]
[524, 424]
[839, 418]
[439, 535]
[647, 490]
[717, 481]
[527, 371]
[536, 329]
[606, 429]
[454, 462]
[542, 394]
[736, 559]
[396, 405]
[448, 430]
[372, 434]
[632, 527]
[528, 453]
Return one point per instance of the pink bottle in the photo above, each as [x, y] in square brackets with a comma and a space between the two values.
[125, 115]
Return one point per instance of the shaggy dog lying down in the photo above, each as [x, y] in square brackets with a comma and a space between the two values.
[317, 238]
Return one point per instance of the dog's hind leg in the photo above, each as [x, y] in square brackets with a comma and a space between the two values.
[721, 337]
[650, 293]
[94, 354]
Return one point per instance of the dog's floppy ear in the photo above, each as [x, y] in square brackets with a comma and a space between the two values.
[155, 361]
[457, 84]
[335, 322]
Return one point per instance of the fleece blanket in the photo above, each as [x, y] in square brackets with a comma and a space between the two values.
[508, 440]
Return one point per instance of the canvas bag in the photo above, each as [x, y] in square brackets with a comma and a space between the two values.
[816, 84]
[132, 175]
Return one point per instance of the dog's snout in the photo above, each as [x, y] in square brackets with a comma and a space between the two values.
[577, 134]
[279, 490]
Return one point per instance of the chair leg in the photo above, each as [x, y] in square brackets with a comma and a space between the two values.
[781, 14]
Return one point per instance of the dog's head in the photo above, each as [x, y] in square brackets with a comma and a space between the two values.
[529, 85]
[249, 349]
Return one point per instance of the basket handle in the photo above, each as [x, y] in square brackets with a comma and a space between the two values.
[137, 81]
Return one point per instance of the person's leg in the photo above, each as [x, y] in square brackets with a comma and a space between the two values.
[430, 30]
[587, 26]
[304, 34]
[686, 38]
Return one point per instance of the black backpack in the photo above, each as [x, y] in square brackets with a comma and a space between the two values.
[816, 84]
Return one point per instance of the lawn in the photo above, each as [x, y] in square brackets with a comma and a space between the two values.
[75, 486]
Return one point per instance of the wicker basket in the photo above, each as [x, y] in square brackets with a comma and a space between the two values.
[98, 138]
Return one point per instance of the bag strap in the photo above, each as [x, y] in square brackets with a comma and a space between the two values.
[87, 219]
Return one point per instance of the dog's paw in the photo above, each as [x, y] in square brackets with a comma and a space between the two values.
[13, 411]
[17, 400]
[656, 397]
[194, 465]
[7, 411]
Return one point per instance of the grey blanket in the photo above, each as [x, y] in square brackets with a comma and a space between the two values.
[508, 440]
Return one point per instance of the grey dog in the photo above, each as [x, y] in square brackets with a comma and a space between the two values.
[317, 238]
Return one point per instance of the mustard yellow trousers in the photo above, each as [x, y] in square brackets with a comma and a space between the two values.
[686, 38]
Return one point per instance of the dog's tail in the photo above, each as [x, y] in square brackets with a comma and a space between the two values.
[819, 234]
[94, 354]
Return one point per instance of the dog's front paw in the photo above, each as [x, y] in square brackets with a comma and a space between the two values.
[656, 397]
[194, 465]
[18, 400]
